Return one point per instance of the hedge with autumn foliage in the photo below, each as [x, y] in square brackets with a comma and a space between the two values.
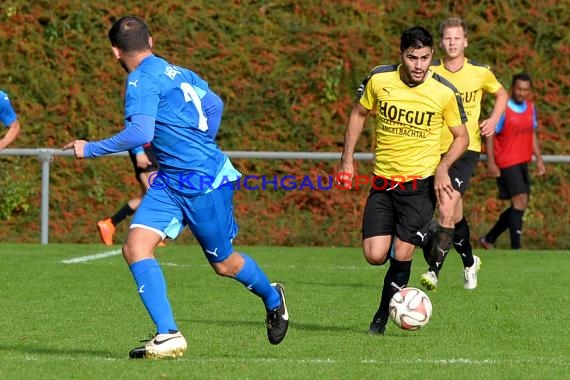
[287, 71]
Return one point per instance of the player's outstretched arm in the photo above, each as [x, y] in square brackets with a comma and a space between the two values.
[488, 126]
[11, 134]
[78, 147]
[353, 131]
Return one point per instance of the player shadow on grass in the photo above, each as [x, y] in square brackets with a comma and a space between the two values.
[336, 284]
[295, 325]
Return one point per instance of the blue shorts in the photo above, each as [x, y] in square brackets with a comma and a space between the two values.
[210, 217]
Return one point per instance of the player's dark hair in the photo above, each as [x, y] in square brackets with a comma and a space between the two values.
[129, 33]
[521, 76]
[452, 22]
[416, 37]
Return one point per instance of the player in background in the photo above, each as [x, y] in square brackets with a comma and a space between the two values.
[170, 106]
[472, 79]
[509, 152]
[9, 119]
[411, 105]
[145, 166]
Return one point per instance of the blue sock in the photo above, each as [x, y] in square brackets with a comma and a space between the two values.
[257, 282]
[152, 290]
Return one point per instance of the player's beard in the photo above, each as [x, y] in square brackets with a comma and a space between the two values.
[414, 79]
[407, 77]
[418, 77]
[124, 65]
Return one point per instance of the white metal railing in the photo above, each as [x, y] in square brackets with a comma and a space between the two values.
[45, 155]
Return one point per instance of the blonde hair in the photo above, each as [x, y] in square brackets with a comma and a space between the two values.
[452, 22]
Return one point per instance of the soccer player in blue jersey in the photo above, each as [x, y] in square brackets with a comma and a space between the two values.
[175, 109]
[9, 119]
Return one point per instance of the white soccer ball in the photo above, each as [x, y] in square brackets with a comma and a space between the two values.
[410, 309]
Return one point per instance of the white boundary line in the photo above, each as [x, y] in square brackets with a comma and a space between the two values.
[97, 256]
[312, 361]
[395, 361]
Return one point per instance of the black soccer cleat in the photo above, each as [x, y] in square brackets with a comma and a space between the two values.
[377, 327]
[277, 320]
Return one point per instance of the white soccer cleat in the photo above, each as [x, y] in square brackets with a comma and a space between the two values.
[429, 280]
[470, 274]
[161, 346]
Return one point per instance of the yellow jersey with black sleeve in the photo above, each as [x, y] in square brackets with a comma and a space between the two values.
[471, 80]
[409, 120]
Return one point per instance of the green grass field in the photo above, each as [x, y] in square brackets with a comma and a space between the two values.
[78, 320]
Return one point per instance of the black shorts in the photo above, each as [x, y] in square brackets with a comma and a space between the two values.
[514, 180]
[404, 211]
[149, 169]
[462, 170]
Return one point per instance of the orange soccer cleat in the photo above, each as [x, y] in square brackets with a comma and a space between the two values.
[106, 231]
[484, 243]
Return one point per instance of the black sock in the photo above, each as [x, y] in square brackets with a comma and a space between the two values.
[427, 246]
[397, 276]
[462, 244]
[125, 211]
[441, 246]
[427, 242]
[499, 227]
[515, 227]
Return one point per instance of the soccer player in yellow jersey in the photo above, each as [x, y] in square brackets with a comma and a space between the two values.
[471, 79]
[411, 105]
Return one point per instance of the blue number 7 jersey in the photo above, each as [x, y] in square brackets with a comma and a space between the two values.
[183, 107]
